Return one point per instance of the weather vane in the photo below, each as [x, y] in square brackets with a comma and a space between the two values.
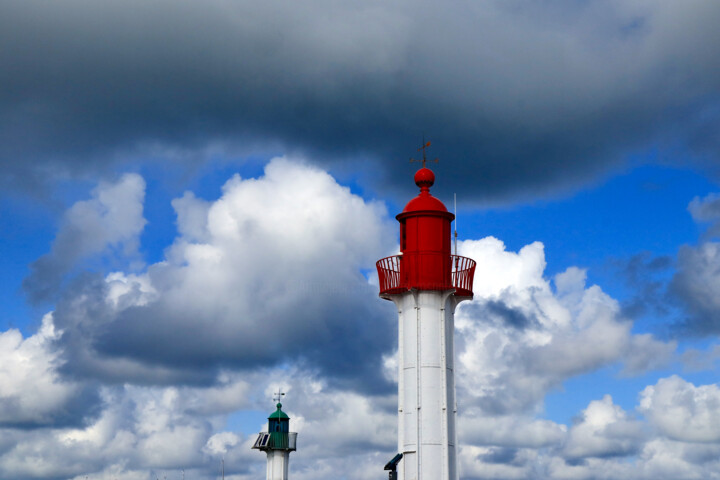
[424, 158]
[277, 396]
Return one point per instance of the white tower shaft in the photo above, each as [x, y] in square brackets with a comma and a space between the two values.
[277, 464]
[426, 385]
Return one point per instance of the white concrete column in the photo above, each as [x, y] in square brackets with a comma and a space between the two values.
[277, 464]
[426, 385]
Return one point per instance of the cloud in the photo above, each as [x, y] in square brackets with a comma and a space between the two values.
[510, 431]
[662, 458]
[140, 428]
[159, 430]
[483, 462]
[527, 99]
[604, 430]
[695, 284]
[262, 289]
[645, 353]
[698, 360]
[268, 273]
[681, 411]
[519, 338]
[707, 210]
[32, 393]
[646, 275]
[697, 278]
[111, 220]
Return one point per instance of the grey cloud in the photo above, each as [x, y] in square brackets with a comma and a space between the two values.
[139, 429]
[516, 99]
[83, 313]
[695, 285]
[694, 360]
[502, 314]
[604, 430]
[645, 353]
[697, 279]
[269, 273]
[645, 275]
[511, 431]
[518, 339]
[707, 210]
[699, 454]
[682, 411]
[33, 395]
[111, 220]
[338, 336]
[76, 410]
[500, 455]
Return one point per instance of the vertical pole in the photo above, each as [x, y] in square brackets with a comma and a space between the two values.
[456, 220]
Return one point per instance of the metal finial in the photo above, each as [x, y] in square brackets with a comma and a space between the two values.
[424, 147]
[277, 396]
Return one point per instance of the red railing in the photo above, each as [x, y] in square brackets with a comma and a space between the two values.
[389, 275]
[391, 280]
[463, 273]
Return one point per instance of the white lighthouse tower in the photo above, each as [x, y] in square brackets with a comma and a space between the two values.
[277, 442]
[426, 282]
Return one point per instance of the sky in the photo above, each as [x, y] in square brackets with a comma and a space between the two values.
[193, 196]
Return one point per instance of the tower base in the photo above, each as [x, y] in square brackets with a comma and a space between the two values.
[427, 435]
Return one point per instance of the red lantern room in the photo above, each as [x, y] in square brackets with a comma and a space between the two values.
[426, 261]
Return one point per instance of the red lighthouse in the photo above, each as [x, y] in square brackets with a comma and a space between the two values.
[426, 282]
[425, 261]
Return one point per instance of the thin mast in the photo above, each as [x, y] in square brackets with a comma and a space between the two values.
[455, 207]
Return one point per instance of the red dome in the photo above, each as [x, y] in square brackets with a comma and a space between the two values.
[424, 178]
[424, 202]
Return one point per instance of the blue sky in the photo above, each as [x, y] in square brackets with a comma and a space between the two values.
[193, 198]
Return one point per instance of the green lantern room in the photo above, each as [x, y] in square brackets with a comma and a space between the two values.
[278, 435]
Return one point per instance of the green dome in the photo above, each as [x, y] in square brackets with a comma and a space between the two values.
[278, 413]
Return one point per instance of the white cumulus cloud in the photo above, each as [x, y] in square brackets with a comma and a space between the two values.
[520, 337]
[683, 411]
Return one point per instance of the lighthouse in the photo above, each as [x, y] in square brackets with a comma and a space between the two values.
[426, 282]
[277, 442]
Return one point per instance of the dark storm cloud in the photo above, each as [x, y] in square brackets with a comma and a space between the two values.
[516, 97]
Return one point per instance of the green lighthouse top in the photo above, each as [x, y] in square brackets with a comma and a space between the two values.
[278, 414]
[278, 435]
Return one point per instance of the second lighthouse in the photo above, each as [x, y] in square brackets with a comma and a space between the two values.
[426, 282]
